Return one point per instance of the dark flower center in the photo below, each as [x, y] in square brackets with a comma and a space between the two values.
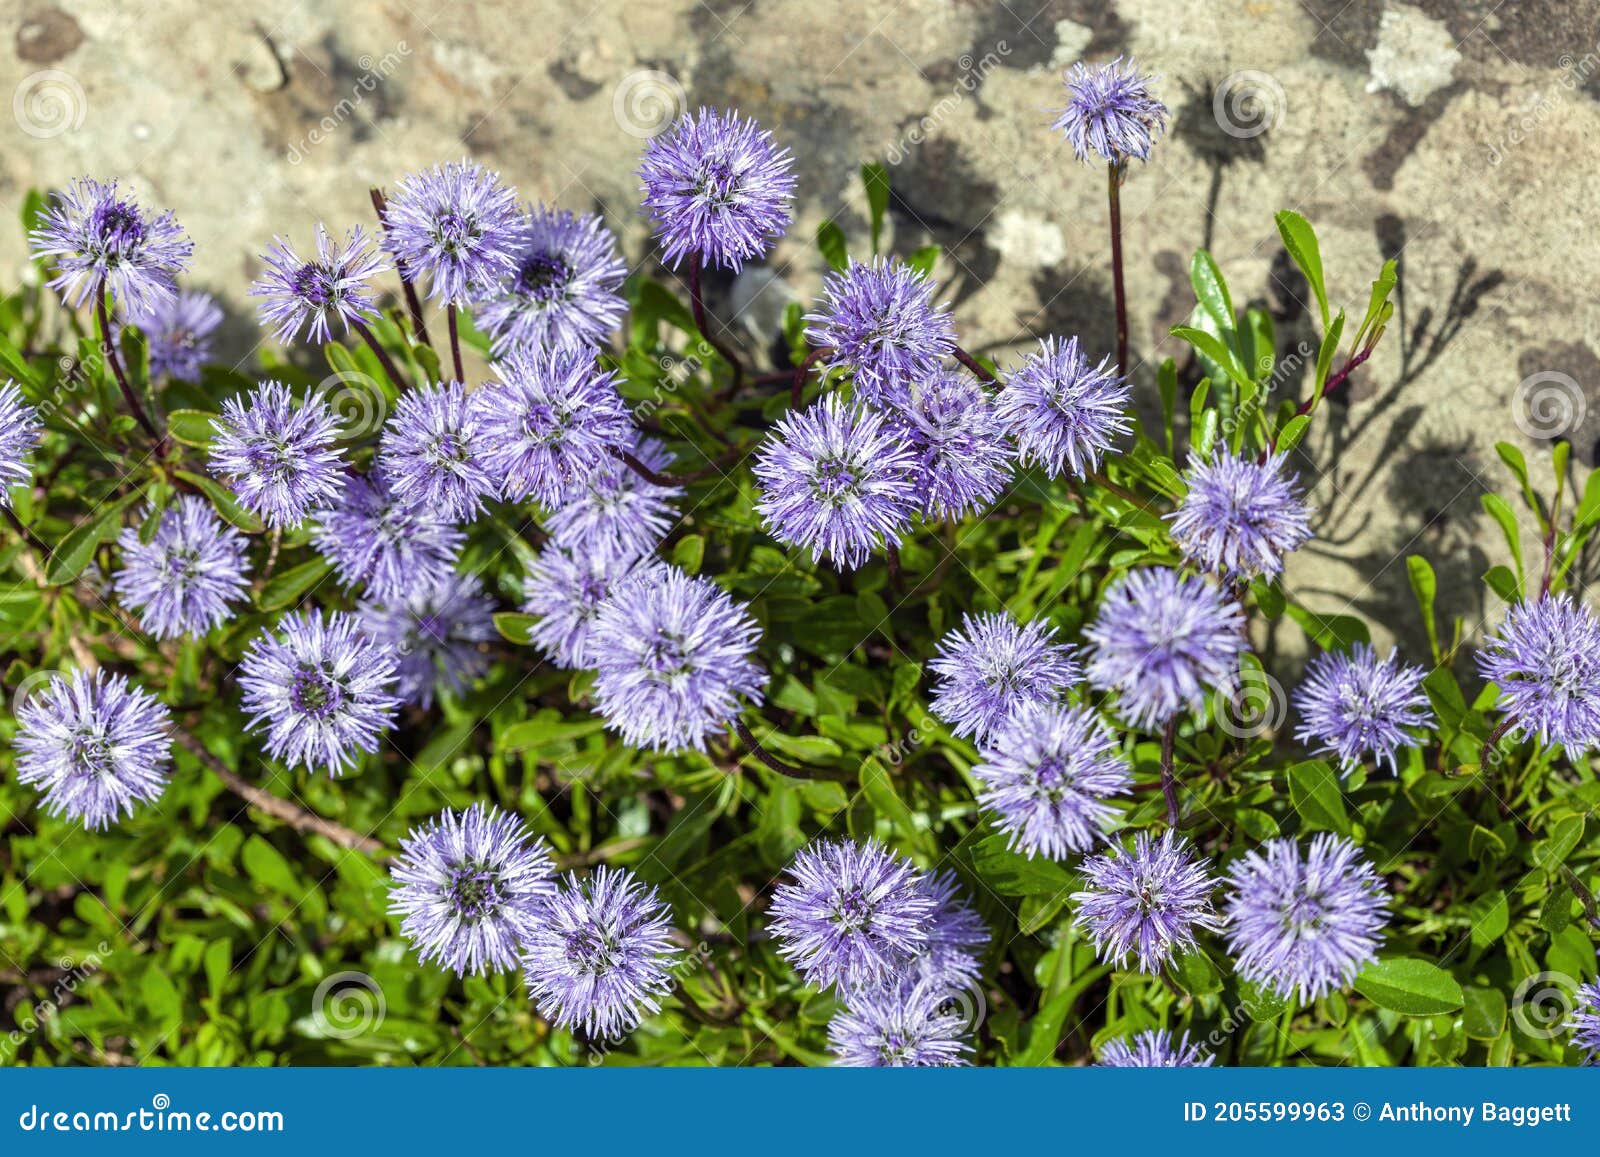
[453, 231]
[718, 184]
[667, 656]
[475, 890]
[894, 1048]
[834, 477]
[1052, 776]
[544, 276]
[118, 226]
[315, 285]
[593, 951]
[314, 694]
[91, 753]
[852, 911]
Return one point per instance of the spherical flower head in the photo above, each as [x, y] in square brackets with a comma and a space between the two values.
[178, 332]
[562, 291]
[675, 657]
[311, 294]
[1064, 412]
[1353, 704]
[1304, 920]
[993, 665]
[600, 956]
[321, 688]
[961, 456]
[550, 422]
[617, 512]
[837, 481]
[1146, 902]
[957, 936]
[278, 458]
[93, 746]
[456, 225]
[908, 1024]
[184, 579]
[19, 434]
[1159, 640]
[717, 188]
[437, 634]
[431, 453]
[566, 589]
[1584, 1020]
[1046, 774]
[1155, 1048]
[1111, 112]
[1240, 516]
[855, 915]
[880, 323]
[94, 236]
[374, 539]
[1545, 659]
[470, 887]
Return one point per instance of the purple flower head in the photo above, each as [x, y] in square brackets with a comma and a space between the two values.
[837, 481]
[1159, 640]
[432, 456]
[457, 225]
[600, 956]
[957, 936]
[1111, 112]
[906, 1024]
[1353, 705]
[178, 330]
[549, 423]
[1584, 1020]
[1304, 921]
[1146, 902]
[19, 434]
[373, 538]
[566, 590]
[961, 457]
[1155, 1048]
[95, 237]
[717, 188]
[674, 656]
[470, 888]
[279, 459]
[1545, 659]
[182, 581]
[1064, 412]
[321, 688]
[1046, 775]
[93, 746]
[881, 324]
[855, 915]
[993, 665]
[562, 292]
[1240, 517]
[437, 635]
[616, 512]
[309, 295]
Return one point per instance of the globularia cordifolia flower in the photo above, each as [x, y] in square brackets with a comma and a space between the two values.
[562, 293]
[717, 188]
[566, 589]
[1305, 921]
[1145, 902]
[837, 481]
[616, 511]
[674, 655]
[470, 887]
[1240, 516]
[431, 456]
[93, 746]
[310, 294]
[279, 458]
[321, 689]
[1155, 1048]
[957, 936]
[178, 331]
[374, 539]
[19, 434]
[1353, 704]
[1545, 659]
[549, 423]
[600, 956]
[1160, 640]
[993, 665]
[94, 236]
[1064, 412]
[182, 581]
[437, 634]
[880, 323]
[1584, 1020]
[1111, 112]
[855, 914]
[910, 1023]
[1046, 774]
[456, 225]
[961, 459]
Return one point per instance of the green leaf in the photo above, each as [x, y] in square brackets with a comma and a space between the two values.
[1330, 632]
[1550, 853]
[1500, 510]
[1314, 790]
[924, 259]
[876, 178]
[267, 867]
[1503, 583]
[1211, 290]
[532, 733]
[1301, 242]
[689, 553]
[192, 427]
[831, 243]
[288, 587]
[1483, 1012]
[515, 627]
[1013, 874]
[1216, 350]
[1388, 277]
[879, 788]
[1293, 430]
[74, 551]
[1426, 587]
[1407, 985]
[222, 498]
